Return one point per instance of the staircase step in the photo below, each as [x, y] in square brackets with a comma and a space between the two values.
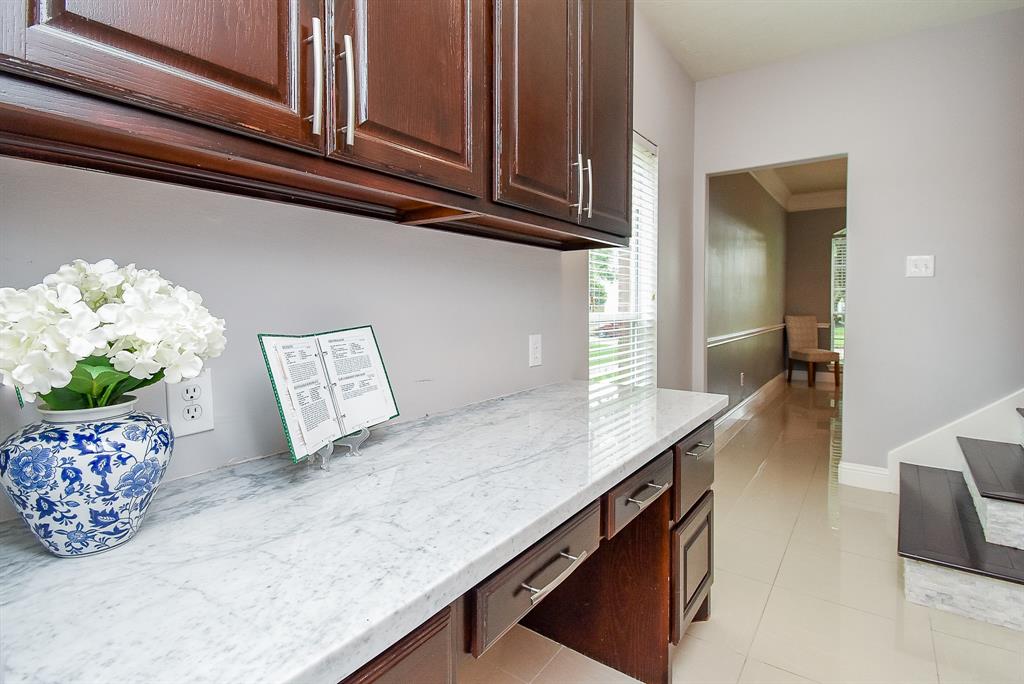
[948, 563]
[1021, 412]
[996, 467]
[938, 524]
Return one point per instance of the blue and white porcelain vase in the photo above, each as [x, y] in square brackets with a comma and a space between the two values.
[82, 480]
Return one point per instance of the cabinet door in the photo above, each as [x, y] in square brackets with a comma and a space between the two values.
[537, 105]
[693, 564]
[607, 113]
[418, 83]
[425, 656]
[238, 64]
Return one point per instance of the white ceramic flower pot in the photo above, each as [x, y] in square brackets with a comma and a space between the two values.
[83, 480]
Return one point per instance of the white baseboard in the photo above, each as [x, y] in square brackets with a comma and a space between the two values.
[998, 421]
[820, 377]
[753, 404]
[864, 476]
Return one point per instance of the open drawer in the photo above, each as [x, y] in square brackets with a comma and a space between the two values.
[500, 601]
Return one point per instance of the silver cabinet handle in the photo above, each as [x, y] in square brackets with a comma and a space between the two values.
[703, 446]
[349, 129]
[317, 38]
[536, 595]
[644, 503]
[590, 188]
[579, 185]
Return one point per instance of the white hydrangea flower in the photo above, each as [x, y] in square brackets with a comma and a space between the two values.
[141, 321]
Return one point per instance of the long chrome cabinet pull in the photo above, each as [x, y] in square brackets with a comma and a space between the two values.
[579, 185]
[537, 594]
[349, 129]
[644, 503]
[703, 446]
[590, 188]
[317, 39]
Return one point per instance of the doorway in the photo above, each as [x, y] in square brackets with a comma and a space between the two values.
[776, 246]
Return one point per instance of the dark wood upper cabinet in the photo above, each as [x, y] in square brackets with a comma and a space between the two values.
[536, 91]
[606, 113]
[418, 80]
[237, 64]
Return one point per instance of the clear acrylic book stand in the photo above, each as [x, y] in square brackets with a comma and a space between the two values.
[353, 442]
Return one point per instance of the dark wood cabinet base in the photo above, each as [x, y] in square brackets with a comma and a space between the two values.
[43, 122]
[614, 609]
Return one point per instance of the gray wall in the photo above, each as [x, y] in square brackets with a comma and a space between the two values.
[746, 273]
[452, 313]
[809, 264]
[931, 122]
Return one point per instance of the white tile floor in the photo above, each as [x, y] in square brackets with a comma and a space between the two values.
[807, 581]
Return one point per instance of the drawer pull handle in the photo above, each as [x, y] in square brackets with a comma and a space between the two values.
[644, 503]
[703, 446]
[536, 595]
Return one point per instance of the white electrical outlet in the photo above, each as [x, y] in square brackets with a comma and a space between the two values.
[190, 405]
[743, 378]
[921, 266]
[536, 355]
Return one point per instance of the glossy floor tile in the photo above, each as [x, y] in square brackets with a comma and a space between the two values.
[808, 586]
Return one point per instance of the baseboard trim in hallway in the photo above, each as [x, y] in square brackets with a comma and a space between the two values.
[865, 476]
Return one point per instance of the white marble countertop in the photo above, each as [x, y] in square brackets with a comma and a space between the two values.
[273, 572]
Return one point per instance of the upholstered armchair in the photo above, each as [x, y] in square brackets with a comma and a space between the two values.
[802, 340]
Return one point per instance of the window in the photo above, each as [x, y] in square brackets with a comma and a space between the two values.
[623, 284]
[839, 293]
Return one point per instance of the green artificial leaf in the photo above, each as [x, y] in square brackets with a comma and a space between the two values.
[63, 399]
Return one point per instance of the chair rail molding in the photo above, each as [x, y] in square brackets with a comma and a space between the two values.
[719, 340]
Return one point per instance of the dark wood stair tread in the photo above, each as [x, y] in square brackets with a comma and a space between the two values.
[997, 468]
[938, 524]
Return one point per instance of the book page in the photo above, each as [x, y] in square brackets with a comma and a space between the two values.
[356, 373]
[309, 392]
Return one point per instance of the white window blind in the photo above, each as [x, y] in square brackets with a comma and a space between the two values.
[623, 284]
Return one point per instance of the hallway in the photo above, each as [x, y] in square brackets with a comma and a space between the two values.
[807, 580]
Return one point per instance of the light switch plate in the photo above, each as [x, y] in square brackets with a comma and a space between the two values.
[921, 266]
[190, 404]
[536, 355]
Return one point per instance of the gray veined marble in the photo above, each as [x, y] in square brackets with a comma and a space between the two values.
[274, 572]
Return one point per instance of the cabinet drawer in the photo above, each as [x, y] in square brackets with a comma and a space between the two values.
[693, 564]
[424, 656]
[638, 491]
[500, 601]
[695, 468]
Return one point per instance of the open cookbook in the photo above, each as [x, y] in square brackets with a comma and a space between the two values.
[327, 385]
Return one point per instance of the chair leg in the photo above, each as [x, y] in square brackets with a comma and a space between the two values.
[836, 371]
[789, 377]
[810, 374]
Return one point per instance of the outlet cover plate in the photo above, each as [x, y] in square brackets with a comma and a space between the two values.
[190, 404]
[536, 352]
[922, 266]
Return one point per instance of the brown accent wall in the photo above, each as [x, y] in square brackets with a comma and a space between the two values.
[746, 262]
[809, 263]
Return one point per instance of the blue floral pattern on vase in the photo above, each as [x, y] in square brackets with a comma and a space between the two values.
[85, 487]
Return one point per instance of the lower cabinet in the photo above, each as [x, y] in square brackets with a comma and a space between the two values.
[693, 566]
[425, 656]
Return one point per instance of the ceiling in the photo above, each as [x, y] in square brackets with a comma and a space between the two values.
[813, 176]
[716, 37]
[807, 186]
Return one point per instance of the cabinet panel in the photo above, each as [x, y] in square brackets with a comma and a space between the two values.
[693, 564]
[419, 81]
[607, 113]
[537, 105]
[245, 65]
[694, 468]
[425, 656]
